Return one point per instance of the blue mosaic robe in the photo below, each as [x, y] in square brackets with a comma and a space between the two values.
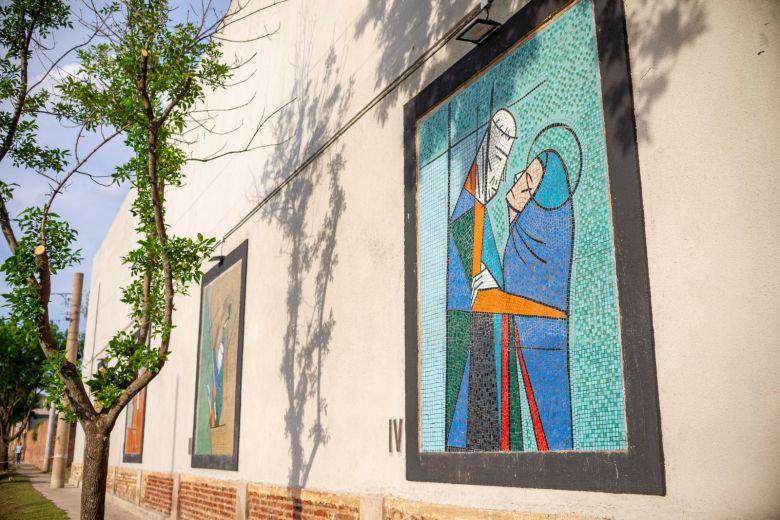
[537, 264]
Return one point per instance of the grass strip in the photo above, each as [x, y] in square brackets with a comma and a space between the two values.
[20, 501]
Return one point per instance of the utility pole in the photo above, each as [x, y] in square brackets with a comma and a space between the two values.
[62, 441]
[49, 439]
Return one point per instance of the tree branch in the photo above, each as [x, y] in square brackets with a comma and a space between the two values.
[209, 110]
[94, 178]
[256, 38]
[142, 86]
[143, 335]
[248, 147]
[24, 424]
[24, 55]
[176, 100]
[56, 63]
[233, 152]
[230, 18]
[212, 130]
[70, 375]
[103, 28]
[58, 189]
[5, 223]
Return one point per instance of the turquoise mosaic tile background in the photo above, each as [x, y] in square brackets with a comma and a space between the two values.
[551, 78]
[432, 219]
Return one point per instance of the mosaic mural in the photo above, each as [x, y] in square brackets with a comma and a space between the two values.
[219, 362]
[520, 345]
[134, 428]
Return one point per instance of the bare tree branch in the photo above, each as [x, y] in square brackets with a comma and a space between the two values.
[248, 147]
[211, 130]
[78, 140]
[94, 178]
[237, 107]
[230, 18]
[58, 188]
[103, 24]
[239, 82]
[256, 38]
[233, 152]
[56, 63]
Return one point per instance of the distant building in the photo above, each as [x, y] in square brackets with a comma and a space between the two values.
[34, 440]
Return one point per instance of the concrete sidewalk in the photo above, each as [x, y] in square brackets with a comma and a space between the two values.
[69, 498]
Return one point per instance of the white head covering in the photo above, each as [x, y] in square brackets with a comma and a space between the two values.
[493, 154]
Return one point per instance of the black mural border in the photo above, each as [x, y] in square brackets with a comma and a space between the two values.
[640, 468]
[224, 462]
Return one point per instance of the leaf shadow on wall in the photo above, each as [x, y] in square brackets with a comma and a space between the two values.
[658, 32]
[398, 25]
[307, 211]
[404, 29]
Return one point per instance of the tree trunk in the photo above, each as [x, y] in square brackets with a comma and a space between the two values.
[93, 483]
[3, 454]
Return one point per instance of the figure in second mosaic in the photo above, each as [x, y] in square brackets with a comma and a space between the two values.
[520, 344]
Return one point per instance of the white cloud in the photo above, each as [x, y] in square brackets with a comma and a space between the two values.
[57, 75]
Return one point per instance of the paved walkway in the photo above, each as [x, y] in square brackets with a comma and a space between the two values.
[69, 498]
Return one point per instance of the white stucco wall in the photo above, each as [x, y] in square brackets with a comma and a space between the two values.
[705, 77]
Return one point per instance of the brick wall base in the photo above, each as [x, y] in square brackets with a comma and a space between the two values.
[125, 484]
[76, 470]
[201, 499]
[395, 509]
[183, 497]
[157, 492]
[265, 502]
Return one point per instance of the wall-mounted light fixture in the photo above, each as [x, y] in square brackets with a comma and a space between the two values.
[479, 29]
[218, 258]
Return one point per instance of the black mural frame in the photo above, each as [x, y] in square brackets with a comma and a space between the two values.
[224, 462]
[640, 468]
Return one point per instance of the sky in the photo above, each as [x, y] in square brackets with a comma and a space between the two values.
[87, 206]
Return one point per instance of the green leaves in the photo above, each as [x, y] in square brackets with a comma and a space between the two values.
[23, 22]
[143, 78]
[114, 80]
[21, 268]
[21, 370]
[185, 256]
[124, 359]
[18, 16]
[53, 384]
[145, 81]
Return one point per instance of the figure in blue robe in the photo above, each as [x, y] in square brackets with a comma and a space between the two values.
[530, 289]
[537, 265]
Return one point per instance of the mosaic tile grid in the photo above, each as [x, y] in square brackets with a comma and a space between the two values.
[432, 244]
[460, 159]
[552, 78]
